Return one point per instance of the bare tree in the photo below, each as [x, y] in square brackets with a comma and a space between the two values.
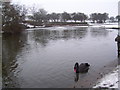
[12, 17]
[65, 16]
[99, 17]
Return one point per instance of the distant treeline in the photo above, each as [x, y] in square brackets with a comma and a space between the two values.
[15, 17]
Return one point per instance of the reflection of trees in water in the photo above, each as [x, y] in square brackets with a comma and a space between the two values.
[98, 32]
[40, 37]
[44, 36]
[76, 34]
[12, 45]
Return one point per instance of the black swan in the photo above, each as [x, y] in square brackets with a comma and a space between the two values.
[82, 68]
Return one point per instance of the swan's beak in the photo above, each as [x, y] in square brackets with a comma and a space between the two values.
[74, 70]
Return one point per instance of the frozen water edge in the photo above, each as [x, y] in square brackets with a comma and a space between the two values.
[110, 80]
[105, 25]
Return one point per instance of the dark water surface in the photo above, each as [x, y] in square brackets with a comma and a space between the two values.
[44, 58]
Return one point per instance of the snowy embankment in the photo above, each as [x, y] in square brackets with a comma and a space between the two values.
[110, 80]
[105, 25]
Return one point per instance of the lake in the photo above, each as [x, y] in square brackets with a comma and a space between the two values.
[44, 58]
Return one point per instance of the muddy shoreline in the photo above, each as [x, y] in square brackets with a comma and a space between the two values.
[95, 76]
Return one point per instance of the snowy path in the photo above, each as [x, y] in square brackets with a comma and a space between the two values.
[110, 80]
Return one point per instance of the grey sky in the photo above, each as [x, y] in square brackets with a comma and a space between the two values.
[85, 6]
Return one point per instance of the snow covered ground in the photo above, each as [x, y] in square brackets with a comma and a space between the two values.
[110, 80]
[105, 25]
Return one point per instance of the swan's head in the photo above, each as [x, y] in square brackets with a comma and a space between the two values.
[76, 67]
[87, 64]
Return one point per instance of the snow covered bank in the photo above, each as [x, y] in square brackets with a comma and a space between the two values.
[105, 25]
[109, 81]
[56, 28]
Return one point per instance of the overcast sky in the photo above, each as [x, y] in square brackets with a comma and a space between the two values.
[84, 6]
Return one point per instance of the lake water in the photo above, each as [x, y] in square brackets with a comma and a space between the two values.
[44, 58]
